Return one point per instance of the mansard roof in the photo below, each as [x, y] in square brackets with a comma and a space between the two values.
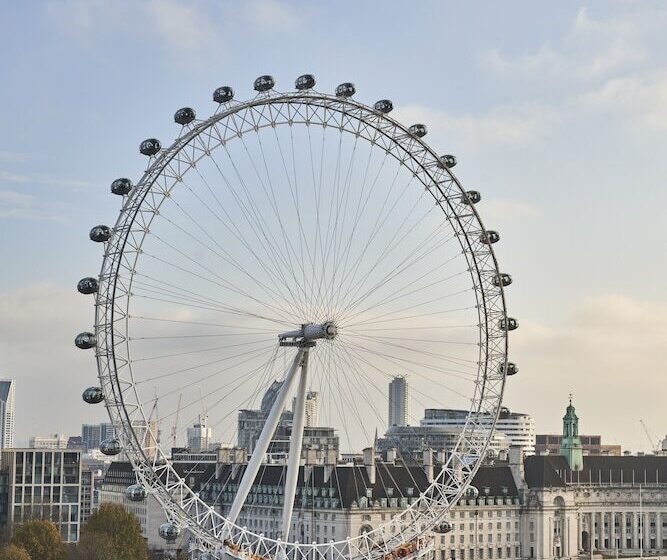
[552, 470]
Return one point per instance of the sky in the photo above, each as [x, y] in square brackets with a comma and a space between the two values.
[557, 113]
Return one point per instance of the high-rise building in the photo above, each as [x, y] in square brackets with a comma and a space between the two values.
[56, 441]
[93, 434]
[399, 401]
[7, 396]
[200, 435]
[312, 409]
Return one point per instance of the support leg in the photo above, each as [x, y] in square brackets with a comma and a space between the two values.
[296, 442]
[264, 439]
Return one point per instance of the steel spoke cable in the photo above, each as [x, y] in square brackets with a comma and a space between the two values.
[204, 364]
[179, 293]
[225, 256]
[258, 218]
[211, 281]
[351, 289]
[393, 359]
[288, 248]
[254, 222]
[396, 295]
[406, 264]
[459, 362]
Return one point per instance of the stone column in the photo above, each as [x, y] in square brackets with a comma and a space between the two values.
[635, 530]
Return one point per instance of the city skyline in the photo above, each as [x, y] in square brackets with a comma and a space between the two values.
[551, 124]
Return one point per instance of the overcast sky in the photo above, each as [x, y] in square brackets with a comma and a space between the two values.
[557, 113]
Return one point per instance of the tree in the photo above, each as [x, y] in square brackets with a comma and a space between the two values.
[94, 546]
[12, 552]
[40, 539]
[119, 529]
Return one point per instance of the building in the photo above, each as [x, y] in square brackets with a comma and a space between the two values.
[517, 427]
[56, 441]
[410, 442]
[200, 435]
[334, 502]
[570, 445]
[94, 434]
[399, 402]
[43, 484]
[441, 428]
[7, 404]
[149, 512]
[549, 444]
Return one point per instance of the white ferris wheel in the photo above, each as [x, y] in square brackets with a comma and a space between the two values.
[309, 244]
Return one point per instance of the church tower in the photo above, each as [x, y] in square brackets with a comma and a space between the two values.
[570, 446]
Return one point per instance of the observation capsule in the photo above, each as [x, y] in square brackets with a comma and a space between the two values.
[489, 237]
[384, 106]
[100, 234]
[264, 83]
[184, 116]
[121, 186]
[93, 395]
[472, 492]
[508, 324]
[136, 493]
[169, 532]
[418, 130]
[150, 146]
[111, 447]
[223, 94]
[306, 81]
[447, 161]
[85, 340]
[512, 368]
[345, 89]
[471, 197]
[443, 527]
[502, 279]
[87, 285]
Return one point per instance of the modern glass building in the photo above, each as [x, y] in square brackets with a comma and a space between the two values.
[44, 484]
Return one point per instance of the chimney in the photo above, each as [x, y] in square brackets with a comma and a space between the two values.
[428, 463]
[391, 455]
[516, 465]
[369, 462]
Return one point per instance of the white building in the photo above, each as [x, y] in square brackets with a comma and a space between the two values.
[518, 428]
[7, 398]
[312, 409]
[399, 401]
[200, 435]
[56, 441]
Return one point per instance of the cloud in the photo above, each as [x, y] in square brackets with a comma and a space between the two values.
[13, 157]
[637, 99]
[182, 28]
[40, 179]
[511, 124]
[37, 331]
[609, 353]
[180, 25]
[271, 15]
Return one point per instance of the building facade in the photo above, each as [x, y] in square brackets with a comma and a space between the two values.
[56, 441]
[7, 405]
[43, 484]
[549, 444]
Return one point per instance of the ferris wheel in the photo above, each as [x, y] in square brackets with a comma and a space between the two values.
[283, 260]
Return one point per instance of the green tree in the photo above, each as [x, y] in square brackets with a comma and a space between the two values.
[40, 539]
[117, 528]
[12, 552]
